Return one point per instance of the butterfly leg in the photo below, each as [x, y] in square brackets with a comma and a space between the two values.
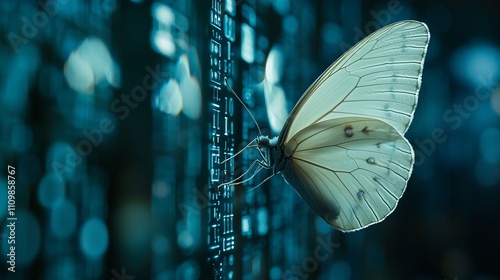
[259, 167]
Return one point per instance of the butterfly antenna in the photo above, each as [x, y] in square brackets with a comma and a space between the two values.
[248, 110]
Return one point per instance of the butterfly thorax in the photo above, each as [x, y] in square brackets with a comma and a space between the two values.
[272, 153]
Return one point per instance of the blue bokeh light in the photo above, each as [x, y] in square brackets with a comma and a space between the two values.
[94, 238]
[475, 61]
[50, 190]
[63, 218]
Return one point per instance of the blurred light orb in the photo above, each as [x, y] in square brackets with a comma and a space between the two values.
[282, 7]
[247, 43]
[185, 239]
[97, 55]
[161, 189]
[191, 92]
[63, 218]
[61, 160]
[89, 65]
[275, 65]
[276, 106]
[188, 270]
[94, 238]
[78, 73]
[163, 13]
[476, 61]
[331, 33]
[246, 225]
[189, 87]
[162, 39]
[182, 93]
[262, 221]
[290, 24]
[163, 42]
[169, 98]
[50, 190]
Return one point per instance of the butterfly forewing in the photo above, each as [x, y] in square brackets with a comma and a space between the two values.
[377, 78]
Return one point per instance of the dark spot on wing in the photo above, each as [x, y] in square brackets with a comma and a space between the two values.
[361, 194]
[365, 130]
[348, 131]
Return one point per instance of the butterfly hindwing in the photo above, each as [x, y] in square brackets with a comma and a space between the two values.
[351, 171]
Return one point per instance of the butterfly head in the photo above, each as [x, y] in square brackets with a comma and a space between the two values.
[266, 142]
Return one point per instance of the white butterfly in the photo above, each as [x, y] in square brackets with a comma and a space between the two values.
[342, 147]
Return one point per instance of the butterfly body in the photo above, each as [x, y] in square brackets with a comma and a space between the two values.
[273, 154]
